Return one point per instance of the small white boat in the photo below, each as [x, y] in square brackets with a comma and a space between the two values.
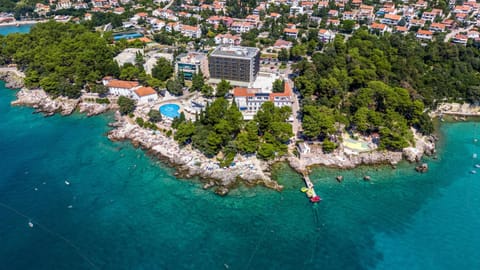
[70, 206]
[473, 172]
[474, 155]
[67, 183]
[477, 165]
[30, 224]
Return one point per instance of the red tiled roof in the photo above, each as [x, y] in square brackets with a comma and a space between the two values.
[122, 84]
[424, 32]
[145, 91]
[243, 92]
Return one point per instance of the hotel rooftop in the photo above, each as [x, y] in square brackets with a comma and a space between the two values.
[235, 51]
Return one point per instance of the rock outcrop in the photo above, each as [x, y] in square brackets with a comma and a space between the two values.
[94, 108]
[190, 162]
[13, 79]
[43, 103]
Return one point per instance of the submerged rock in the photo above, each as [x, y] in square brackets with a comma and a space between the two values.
[423, 168]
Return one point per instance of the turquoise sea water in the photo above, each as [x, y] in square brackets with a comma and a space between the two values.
[129, 212]
[124, 210]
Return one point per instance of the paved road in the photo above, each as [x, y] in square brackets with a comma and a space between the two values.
[168, 5]
[456, 31]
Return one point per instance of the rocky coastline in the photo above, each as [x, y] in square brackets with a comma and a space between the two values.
[12, 77]
[424, 145]
[190, 162]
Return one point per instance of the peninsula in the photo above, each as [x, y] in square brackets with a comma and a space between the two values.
[225, 103]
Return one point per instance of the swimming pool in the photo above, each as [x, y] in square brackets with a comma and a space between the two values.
[127, 36]
[170, 110]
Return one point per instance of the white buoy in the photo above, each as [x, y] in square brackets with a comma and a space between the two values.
[474, 155]
[30, 224]
[67, 183]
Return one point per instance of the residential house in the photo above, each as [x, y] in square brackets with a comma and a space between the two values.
[173, 26]
[424, 34]
[401, 29]
[63, 4]
[391, 19]
[294, 10]
[460, 39]
[379, 27]
[191, 31]
[241, 27]
[157, 24]
[282, 44]
[333, 22]
[348, 15]
[119, 10]
[41, 9]
[325, 35]
[437, 27]
[429, 16]
[228, 39]
[253, 19]
[291, 33]
[333, 13]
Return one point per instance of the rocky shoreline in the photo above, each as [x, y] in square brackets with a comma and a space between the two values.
[424, 145]
[190, 162]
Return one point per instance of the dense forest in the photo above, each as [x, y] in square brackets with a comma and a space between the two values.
[61, 58]
[373, 84]
[220, 128]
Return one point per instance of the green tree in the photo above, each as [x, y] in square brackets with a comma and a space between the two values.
[100, 89]
[207, 90]
[328, 146]
[185, 132]
[154, 116]
[197, 81]
[163, 70]
[278, 86]
[174, 87]
[283, 55]
[223, 88]
[126, 105]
